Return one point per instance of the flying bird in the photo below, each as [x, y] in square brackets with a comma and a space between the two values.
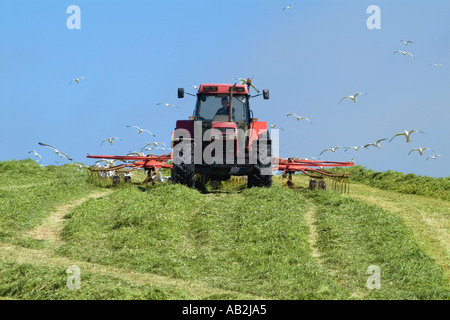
[141, 130]
[195, 87]
[298, 117]
[245, 81]
[435, 65]
[406, 42]
[356, 148]
[353, 97]
[332, 150]
[420, 150]
[155, 144]
[77, 80]
[62, 155]
[35, 154]
[274, 126]
[404, 53]
[407, 134]
[166, 104]
[135, 153]
[434, 157]
[310, 158]
[288, 7]
[110, 140]
[375, 144]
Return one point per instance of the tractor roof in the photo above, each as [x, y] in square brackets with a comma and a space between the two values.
[216, 88]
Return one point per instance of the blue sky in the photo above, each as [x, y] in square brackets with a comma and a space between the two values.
[135, 54]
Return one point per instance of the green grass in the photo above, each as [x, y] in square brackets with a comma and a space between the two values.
[354, 235]
[29, 193]
[27, 281]
[224, 241]
[254, 241]
[403, 183]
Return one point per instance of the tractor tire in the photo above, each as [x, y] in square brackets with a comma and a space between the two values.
[250, 182]
[322, 185]
[257, 178]
[312, 184]
[184, 172]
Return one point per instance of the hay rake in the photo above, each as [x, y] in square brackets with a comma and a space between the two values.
[319, 178]
[122, 173]
[314, 170]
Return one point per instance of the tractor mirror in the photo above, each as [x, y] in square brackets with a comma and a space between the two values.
[266, 94]
[180, 93]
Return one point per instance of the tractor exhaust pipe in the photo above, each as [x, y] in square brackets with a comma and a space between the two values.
[230, 105]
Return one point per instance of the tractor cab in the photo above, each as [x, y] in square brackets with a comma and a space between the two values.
[214, 106]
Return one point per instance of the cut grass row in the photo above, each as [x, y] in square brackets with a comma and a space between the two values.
[252, 242]
[353, 235]
[403, 183]
[256, 242]
[29, 281]
[29, 193]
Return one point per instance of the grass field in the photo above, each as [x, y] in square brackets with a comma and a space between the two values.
[166, 241]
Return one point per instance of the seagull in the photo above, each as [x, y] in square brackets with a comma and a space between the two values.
[166, 104]
[195, 87]
[155, 144]
[420, 150]
[407, 134]
[141, 130]
[434, 157]
[56, 151]
[406, 42]
[375, 144]
[274, 126]
[110, 140]
[404, 53]
[435, 65]
[35, 154]
[245, 81]
[332, 150]
[354, 148]
[77, 80]
[288, 7]
[141, 154]
[353, 97]
[298, 117]
[108, 163]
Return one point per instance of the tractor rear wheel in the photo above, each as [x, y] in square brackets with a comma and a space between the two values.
[183, 170]
[261, 175]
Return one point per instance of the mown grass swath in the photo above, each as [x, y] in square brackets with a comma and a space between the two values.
[354, 235]
[400, 182]
[253, 242]
[29, 193]
[28, 281]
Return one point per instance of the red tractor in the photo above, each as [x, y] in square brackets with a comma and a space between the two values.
[222, 138]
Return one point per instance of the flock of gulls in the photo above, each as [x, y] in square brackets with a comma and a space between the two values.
[156, 145]
[376, 144]
[148, 147]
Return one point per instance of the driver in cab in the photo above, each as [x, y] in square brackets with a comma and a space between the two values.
[224, 110]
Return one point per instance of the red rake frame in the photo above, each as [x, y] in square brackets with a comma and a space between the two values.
[148, 163]
[312, 168]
